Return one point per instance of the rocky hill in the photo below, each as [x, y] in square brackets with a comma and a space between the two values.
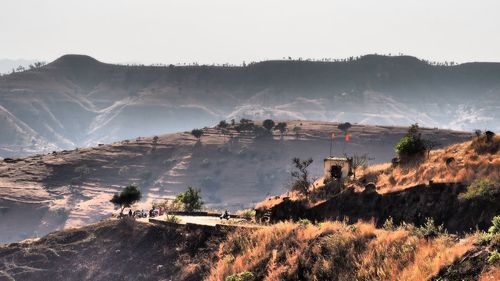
[77, 101]
[72, 188]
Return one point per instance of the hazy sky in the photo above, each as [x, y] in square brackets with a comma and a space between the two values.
[206, 31]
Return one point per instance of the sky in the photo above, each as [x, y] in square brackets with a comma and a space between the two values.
[233, 31]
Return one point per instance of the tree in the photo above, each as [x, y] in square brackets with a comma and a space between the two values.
[281, 127]
[222, 124]
[344, 127]
[155, 143]
[197, 133]
[129, 195]
[268, 124]
[296, 130]
[245, 125]
[412, 145]
[358, 161]
[190, 199]
[301, 175]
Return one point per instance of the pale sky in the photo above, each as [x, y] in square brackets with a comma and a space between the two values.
[232, 31]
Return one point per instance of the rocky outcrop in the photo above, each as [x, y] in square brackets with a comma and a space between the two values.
[413, 205]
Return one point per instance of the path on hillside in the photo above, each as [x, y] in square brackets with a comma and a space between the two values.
[202, 220]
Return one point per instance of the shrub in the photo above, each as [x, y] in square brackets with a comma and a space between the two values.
[172, 219]
[412, 145]
[480, 189]
[244, 276]
[495, 228]
[304, 222]
[123, 171]
[486, 143]
[430, 230]
[190, 199]
[248, 214]
[494, 257]
[389, 224]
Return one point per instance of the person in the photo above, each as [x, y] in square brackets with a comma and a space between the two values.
[225, 215]
[129, 212]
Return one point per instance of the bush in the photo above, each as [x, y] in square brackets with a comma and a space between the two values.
[486, 143]
[412, 145]
[304, 222]
[172, 219]
[190, 199]
[495, 228]
[481, 189]
[248, 214]
[123, 171]
[494, 257]
[244, 276]
[430, 230]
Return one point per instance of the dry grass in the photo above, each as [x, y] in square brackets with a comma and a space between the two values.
[491, 275]
[455, 163]
[335, 251]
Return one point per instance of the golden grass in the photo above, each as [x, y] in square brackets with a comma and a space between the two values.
[334, 251]
[491, 275]
[455, 163]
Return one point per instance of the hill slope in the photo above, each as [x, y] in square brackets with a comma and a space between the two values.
[78, 101]
[45, 192]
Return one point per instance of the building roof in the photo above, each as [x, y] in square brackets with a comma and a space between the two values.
[336, 159]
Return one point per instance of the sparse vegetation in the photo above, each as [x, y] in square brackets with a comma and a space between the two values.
[248, 214]
[82, 171]
[124, 171]
[129, 195]
[172, 219]
[296, 130]
[301, 175]
[244, 276]
[480, 189]
[191, 199]
[430, 230]
[334, 251]
[487, 143]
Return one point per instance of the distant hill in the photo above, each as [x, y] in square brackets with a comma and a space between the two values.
[77, 101]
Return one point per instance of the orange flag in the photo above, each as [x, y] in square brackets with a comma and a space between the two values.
[347, 137]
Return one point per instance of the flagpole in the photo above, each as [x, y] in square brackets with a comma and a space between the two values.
[331, 143]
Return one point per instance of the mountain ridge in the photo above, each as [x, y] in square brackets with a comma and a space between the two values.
[77, 101]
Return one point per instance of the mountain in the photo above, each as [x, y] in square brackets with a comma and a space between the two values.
[66, 189]
[77, 101]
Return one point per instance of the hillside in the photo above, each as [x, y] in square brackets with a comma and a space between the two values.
[73, 188]
[457, 186]
[77, 101]
[113, 251]
[128, 250]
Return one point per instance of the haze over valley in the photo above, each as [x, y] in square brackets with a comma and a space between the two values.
[77, 101]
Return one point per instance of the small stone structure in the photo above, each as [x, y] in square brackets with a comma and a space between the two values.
[337, 167]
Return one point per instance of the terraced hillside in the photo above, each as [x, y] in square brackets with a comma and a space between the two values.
[72, 188]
